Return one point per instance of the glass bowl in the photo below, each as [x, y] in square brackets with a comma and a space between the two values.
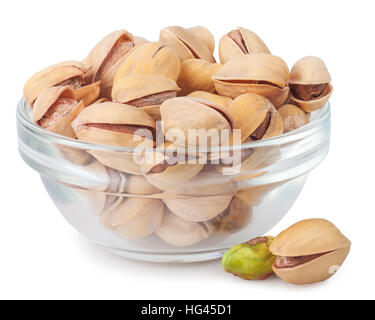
[174, 217]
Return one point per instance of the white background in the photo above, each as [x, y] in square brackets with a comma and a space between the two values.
[41, 256]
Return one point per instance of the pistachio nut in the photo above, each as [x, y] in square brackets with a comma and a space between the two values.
[134, 218]
[258, 73]
[309, 251]
[139, 185]
[310, 84]
[152, 58]
[293, 117]
[205, 36]
[251, 260]
[239, 42]
[234, 218]
[213, 97]
[198, 209]
[196, 75]
[88, 94]
[114, 124]
[75, 155]
[255, 195]
[144, 90]
[55, 109]
[62, 74]
[186, 113]
[178, 232]
[185, 44]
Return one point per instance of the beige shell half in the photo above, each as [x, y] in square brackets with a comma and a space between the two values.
[309, 237]
[313, 105]
[309, 70]
[293, 117]
[185, 44]
[178, 232]
[198, 208]
[150, 58]
[88, 94]
[50, 77]
[196, 75]
[205, 36]
[221, 101]
[319, 269]
[134, 87]
[140, 186]
[229, 50]
[153, 111]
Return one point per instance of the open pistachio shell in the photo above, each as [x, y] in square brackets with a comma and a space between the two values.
[76, 156]
[254, 196]
[205, 36]
[134, 88]
[262, 74]
[150, 58]
[198, 208]
[65, 73]
[55, 109]
[153, 111]
[114, 124]
[213, 97]
[186, 113]
[293, 117]
[178, 232]
[134, 218]
[185, 44]
[88, 94]
[196, 75]
[309, 70]
[139, 185]
[313, 105]
[238, 43]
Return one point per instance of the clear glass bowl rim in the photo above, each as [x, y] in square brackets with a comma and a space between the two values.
[307, 130]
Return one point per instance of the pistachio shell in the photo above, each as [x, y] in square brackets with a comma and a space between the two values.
[178, 232]
[186, 114]
[133, 87]
[205, 36]
[214, 98]
[198, 208]
[309, 70]
[185, 44]
[255, 196]
[106, 53]
[238, 43]
[55, 109]
[293, 117]
[139, 185]
[309, 237]
[153, 111]
[87, 124]
[152, 58]
[197, 75]
[316, 270]
[74, 155]
[139, 40]
[88, 94]
[313, 105]
[50, 77]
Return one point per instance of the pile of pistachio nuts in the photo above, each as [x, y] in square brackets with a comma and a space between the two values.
[127, 86]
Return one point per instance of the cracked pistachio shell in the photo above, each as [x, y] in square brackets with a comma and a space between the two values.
[293, 117]
[309, 237]
[251, 260]
[164, 175]
[238, 43]
[153, 112]
[198, 208]
[134, 87]
[262, 74]
[185, 44]
[134, 218]
[213, 97]
[139, 185]
[150, 58]
[205, 36]
[106, 53]
[178, 232]
[88, 94]
[186, 113]
[113, 124]
[196, 75]
[55, 109]
[52, 76]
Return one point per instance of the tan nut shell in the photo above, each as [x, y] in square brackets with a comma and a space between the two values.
[134, 87]
[205, 36]
[198, 208]
[241, 75]
[111, 113]
[213, 97]
[293, 117]
[196, 75]
[229, 50]
[51, 77]
[88, 94]
[193, 113]
[313, 105]
[178, 232]
[151, 58]
[46, 99]
[309, 70]
[185, 44]
[139, 185]
[153, 111]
